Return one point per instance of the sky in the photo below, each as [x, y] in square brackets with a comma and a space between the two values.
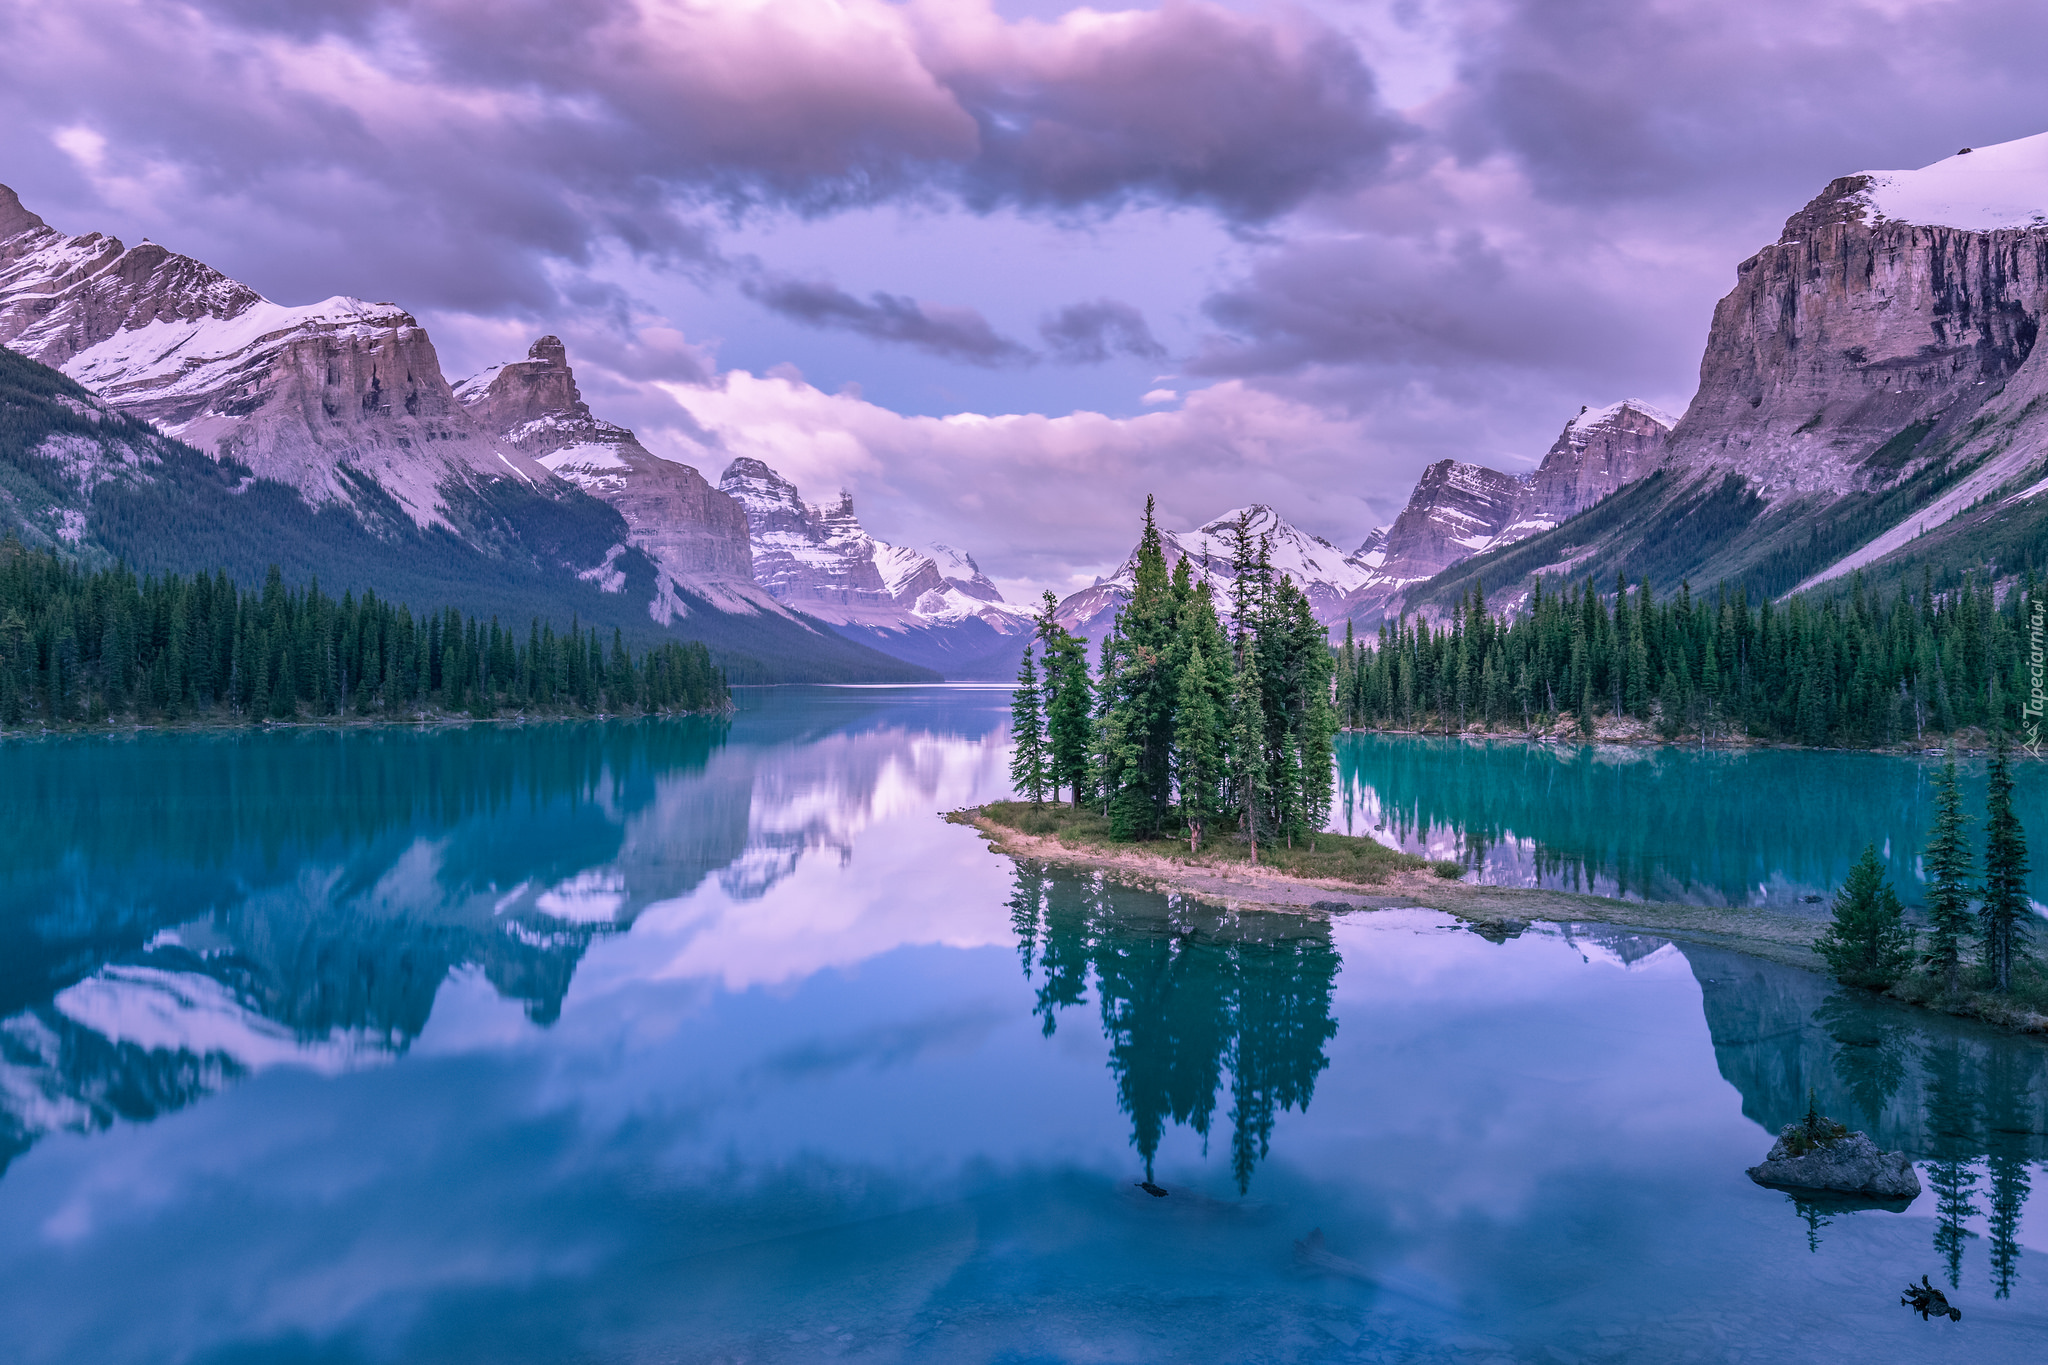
[1003, 268]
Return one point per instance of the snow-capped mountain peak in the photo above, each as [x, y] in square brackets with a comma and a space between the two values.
[935, 604]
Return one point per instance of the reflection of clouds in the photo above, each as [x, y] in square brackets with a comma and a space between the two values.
[134, 1039]
[778, 914]
[332, 959]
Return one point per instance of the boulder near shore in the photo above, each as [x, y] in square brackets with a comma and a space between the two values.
[1820, 1154]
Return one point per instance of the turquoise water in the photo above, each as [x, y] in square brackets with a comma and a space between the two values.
[1766, 827]
[709, 1041]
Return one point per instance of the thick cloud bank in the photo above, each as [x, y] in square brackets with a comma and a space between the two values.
[501, 139]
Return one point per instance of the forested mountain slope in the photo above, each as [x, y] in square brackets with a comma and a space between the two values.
[80, 477]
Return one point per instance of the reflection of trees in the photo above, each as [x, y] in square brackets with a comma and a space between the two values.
[1952, 1135]
[2007, 1126]
[1872, 1050]
[1965, 1101]
[1663, 823]
[1186, 993]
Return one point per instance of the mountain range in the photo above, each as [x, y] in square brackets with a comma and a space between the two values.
[1869, 400]
[190, 424]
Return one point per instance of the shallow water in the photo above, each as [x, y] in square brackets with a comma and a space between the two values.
[703, 1041]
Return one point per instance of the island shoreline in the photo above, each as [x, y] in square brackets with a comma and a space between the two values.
[1783, 939]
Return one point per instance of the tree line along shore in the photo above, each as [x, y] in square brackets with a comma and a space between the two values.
[1856, 671]
[83, 647]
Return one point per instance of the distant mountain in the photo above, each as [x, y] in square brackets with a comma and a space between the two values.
[1871, 398]
[1459, 510]
[932, 606]
[329, 443]
[1326, 575]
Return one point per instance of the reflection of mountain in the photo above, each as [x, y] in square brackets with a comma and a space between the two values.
[1742, 828]
[1186, 993]
[197, 909]
[1949, 1093]
[179, 911]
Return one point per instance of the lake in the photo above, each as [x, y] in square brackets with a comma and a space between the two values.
[707, 1040]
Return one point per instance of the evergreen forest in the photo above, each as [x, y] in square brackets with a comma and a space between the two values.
[1859, 670]
[82, 646]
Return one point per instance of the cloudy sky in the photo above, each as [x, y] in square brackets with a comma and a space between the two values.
[1003, 267]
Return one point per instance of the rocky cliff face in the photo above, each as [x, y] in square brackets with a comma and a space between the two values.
[315, 397]
[933, 607]
[1871, 395]
[1887, 340]
[696, 535]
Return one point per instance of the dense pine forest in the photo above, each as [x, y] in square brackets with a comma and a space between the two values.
[1190, 722]
[1858, 670]
[81, 646]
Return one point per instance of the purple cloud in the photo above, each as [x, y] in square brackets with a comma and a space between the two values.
[959, 334]
[1090, 333]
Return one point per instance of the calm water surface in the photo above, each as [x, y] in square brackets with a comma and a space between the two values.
[1776, 827]
[708, 1041]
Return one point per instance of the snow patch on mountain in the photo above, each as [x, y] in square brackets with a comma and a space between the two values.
[1984, 189]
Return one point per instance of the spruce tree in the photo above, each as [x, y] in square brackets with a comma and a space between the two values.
[2006, 910]
[1027, 733]
[1199, 745]
[1947, 861]
[1248, 741]
[1868, 943]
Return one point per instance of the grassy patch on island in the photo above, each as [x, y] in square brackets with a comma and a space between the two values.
[1326, 857]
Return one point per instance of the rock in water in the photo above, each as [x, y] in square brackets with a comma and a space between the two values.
[1822, 1155]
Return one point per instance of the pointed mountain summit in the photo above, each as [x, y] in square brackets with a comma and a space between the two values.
[1326, 575]
[1459, 510]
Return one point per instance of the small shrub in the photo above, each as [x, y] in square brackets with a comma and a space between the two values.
[1868, 943]
[1448, 868]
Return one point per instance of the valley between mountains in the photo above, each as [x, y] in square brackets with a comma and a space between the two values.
[1871, 402]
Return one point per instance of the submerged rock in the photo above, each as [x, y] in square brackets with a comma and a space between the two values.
[1821, 1154]
[1924, 1299]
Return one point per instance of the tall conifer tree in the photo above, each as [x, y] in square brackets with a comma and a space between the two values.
[2006, 911]
[1947, 861]
[1027, 733]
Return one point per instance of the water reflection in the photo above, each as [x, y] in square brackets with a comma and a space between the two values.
[1968, 1103]
[1763, 827]
[179, 912]
[1185, 992]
